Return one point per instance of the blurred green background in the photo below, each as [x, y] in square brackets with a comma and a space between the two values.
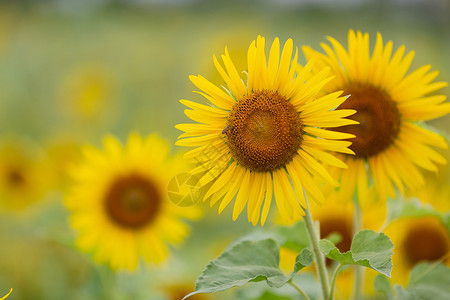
[72, 71]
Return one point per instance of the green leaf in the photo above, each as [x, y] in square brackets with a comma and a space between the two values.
[293, 237]
[368, 249]
[428, 281]
[413, 208]
[303, 259]
[383, 287]
[247, 261]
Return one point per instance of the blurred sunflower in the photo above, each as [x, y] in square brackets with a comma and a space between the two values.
[238, 37]
[336, 217]
[86, 91]
[178, 291]
[23, 174]
[389, 141]
[62, 155]
[417, 239]
[436, 190]
[119, 202]
[264, 136]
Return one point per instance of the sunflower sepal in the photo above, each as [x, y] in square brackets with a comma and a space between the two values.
[248, 261]
[369, 249]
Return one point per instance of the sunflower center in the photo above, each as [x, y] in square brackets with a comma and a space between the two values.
[340, 225]
[378, 117]
[132, 201]
[264, 131]
[15, 178]
[425, 241]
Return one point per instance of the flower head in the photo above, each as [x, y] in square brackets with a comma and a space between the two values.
[389, 102]
[119, 202]
[417, 239]
[264, 136]
[23, 174]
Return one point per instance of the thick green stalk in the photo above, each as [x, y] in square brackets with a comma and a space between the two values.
[318, 256]
[358, 272]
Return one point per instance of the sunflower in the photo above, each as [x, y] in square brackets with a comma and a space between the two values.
[417, 239]
[86, 90]
[119, 202]
[336, 217]
[436, 190]
[266, 135]
[179, 290]
[389, 102]
[23, 174]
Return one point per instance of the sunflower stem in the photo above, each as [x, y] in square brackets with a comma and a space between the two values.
[299, 290]
[333, 280]
[357, 270]
[318, 256]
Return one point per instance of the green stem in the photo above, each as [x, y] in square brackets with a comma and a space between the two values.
[299, 290]
[318, 256]
[358, 271]
[333, 280]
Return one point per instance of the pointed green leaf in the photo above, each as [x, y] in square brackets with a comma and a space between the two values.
[303, 259]
[427, 282]
[368, 249]
[247, 261]
[383, 288]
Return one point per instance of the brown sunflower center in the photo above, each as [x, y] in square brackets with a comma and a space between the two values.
[132, 201]
[264, 131]
[378, 117]
[340, 225]
[15, 177]
[425, 241]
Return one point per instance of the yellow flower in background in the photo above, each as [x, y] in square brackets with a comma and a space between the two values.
[415, 240]
[336, 217]
[436, 190]
[62, 155]
[86, 90]
[6, 296]
[23, 174]
[119, 203]
[266, 136]
[390, 146]
[178, 291]
[237, 38]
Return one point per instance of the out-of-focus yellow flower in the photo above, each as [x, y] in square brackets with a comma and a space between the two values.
[86, 91]
[437, 188]
[265, 135]
[24, 178]
[336, 216]
[62, 155]
[238, 39]
[6, 296]
[178, 291]
[415, 240]
[390, 146]
[120, 206]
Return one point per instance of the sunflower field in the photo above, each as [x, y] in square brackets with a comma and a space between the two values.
[206, 149]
